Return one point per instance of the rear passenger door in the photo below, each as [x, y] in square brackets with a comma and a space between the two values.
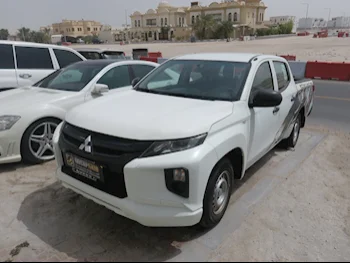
[289, 106]
[33, 64]
[8, 77]
[65, 57]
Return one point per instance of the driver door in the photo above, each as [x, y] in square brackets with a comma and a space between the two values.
[263, 121]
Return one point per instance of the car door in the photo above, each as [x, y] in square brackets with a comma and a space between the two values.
[8, 76]
[289, 105]
[116, 78]
[263, 121]
[65, 57]
[33, 64]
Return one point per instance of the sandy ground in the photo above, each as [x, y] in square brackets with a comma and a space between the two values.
[305, 48]
[307, 217]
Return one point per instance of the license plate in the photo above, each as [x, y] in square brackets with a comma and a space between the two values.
[85, 168]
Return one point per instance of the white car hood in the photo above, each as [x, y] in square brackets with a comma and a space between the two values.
[144, 116]
[20, 99]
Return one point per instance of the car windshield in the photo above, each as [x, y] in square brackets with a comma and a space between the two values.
[197, 79]
[72, 78]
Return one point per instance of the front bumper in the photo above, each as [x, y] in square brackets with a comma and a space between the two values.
[9, 147]
[148, 201]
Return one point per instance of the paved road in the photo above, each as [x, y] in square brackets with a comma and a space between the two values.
[331, 105]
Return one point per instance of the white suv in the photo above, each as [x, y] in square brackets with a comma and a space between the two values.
[24, 63]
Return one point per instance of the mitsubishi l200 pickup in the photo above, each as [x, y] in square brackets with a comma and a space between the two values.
[167, 151]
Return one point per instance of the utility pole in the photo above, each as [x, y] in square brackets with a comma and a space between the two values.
[307, 12]
[329, 13]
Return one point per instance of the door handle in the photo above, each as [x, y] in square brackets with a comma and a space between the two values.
[275, 110]
[25, 76]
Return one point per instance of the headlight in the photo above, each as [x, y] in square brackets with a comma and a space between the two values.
[7, 121]
[164, 147]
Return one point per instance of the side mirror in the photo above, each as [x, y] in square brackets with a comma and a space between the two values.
[135, 81]
[98, 89]
[265, 98]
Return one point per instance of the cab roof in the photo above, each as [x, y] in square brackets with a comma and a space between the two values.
[234, 57]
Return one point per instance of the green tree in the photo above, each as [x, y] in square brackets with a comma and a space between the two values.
[4, 34]
[24, 34]
[225, 29]
[205, 26]
[39, 37]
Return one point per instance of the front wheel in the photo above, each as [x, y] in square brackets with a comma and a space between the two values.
[36, 145]
[218, 193]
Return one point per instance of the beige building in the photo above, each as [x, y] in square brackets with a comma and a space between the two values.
[168, 22]
[77, 28]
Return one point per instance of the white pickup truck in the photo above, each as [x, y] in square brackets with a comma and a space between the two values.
[166, 152]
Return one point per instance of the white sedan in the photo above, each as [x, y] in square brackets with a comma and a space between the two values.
[30, 115]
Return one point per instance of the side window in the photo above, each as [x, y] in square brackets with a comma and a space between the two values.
[116, 77]
[263, 78]
[65, 57]
[282, 74]
[91, 55]
[33, 58]
[141, 70]
[6, 55]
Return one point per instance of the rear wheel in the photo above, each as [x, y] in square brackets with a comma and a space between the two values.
[36, 145]
[292, 140]
[218, 193]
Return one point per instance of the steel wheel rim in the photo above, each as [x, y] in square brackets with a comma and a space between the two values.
[296, 131]
[221, 193]
[40, 141]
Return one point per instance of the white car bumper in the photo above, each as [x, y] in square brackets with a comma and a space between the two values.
[9, 147]
[148, 200]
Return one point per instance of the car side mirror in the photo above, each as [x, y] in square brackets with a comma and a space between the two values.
[265, 98]
[135, 81]
[98, 89]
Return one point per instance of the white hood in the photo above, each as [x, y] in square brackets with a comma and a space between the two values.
[144, 116]
[20, 99]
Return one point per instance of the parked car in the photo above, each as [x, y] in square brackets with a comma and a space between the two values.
[97, 41]
[166, 153]
[29, 115]
[98, 53]
[25, 63]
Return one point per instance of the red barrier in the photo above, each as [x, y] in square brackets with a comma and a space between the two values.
[155, 54]
[150, 59]
[289, 57]
[328, 70]
[303, 34]
[343, 34]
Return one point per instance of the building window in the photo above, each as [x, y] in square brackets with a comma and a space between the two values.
[166, 21]
[253, 16]
[230, 17]
[56, 30]
[193, 21]
[139, 23]
[180, 21]
[88, 29]
[135, 23]
[150, 34]
[235, 17]
[161, 21]
[183, 21]
[67, 29]
[197, 18]
[151, 22]
[248, 15]
[72, 29]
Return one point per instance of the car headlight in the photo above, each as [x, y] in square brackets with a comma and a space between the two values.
[7, 121]
[171, 146]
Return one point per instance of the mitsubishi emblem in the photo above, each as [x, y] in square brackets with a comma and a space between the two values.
[86, 145]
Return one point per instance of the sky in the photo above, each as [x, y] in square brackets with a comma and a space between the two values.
[36, 13]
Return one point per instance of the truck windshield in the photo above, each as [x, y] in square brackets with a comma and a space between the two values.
[197, 79]
[71, 78]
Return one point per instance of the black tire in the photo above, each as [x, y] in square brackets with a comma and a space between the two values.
[210, 217]
[293, 138]
[26, 151]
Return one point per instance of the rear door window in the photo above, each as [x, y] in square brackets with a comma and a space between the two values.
[33, 58]
[65, 57]
[6, 57]
[141, 70]
[117, 77]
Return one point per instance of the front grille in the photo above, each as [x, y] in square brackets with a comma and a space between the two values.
[103, 144]
[112, 153]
